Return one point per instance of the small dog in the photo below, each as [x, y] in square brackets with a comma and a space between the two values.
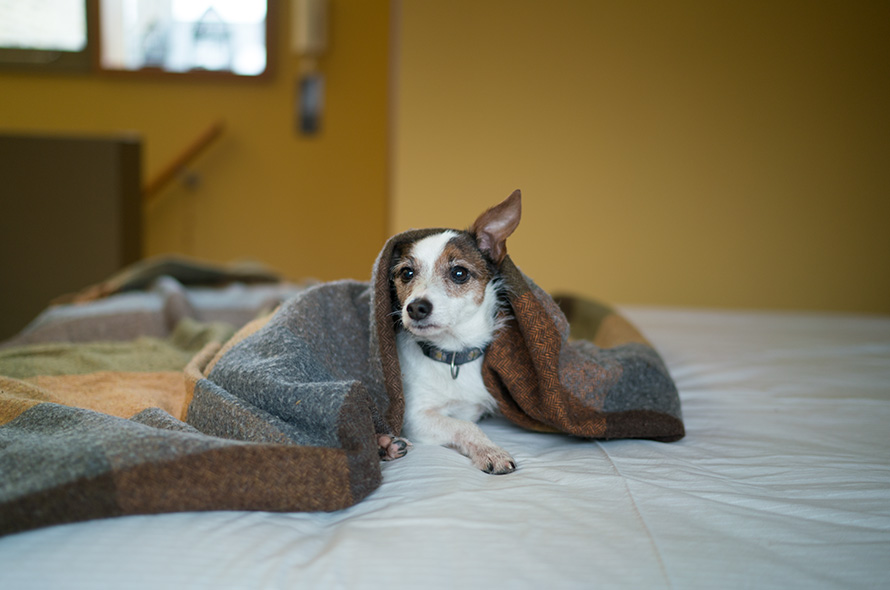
[450, 302]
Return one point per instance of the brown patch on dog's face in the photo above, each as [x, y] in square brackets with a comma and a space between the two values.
[403, 272]
[442, 284]
[463, 268]
[458, 268]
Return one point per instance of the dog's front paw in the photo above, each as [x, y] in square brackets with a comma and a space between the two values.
[392, 447]
[494, 460]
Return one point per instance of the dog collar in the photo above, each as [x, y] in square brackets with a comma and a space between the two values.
[453, 358]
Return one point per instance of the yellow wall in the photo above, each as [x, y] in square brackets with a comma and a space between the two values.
[680, 153]
[306, 206]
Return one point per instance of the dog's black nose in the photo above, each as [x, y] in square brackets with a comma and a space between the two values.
[420, 309]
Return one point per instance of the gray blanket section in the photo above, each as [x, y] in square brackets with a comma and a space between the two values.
[296, 373]
[645, 383]
[632, 376]
[69, 448]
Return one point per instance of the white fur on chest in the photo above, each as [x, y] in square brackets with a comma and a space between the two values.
[429, 388]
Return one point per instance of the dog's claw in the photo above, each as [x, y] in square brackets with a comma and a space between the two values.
[494, 461]
[508, 468]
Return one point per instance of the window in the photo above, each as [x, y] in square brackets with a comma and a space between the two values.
[184, 36]
[44, 34]
[222, 37]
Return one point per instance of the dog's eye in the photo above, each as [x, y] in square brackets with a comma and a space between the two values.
[460, 275]
[406, 274]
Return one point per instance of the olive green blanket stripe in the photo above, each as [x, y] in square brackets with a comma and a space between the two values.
[585, 316]
[143, 354]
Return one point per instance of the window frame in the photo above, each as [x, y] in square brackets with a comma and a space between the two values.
[89, 60]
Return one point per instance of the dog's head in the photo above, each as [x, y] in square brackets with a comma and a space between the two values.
[446, 283]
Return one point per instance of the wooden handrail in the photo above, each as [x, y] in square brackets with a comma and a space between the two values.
[179, 163]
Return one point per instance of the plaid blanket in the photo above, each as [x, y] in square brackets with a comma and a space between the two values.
[283, 415]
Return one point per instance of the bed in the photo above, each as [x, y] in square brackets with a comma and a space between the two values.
[782, 478]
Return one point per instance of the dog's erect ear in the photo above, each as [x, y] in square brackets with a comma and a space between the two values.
[494, 226]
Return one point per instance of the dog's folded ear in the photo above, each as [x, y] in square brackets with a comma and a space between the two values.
[493, 227]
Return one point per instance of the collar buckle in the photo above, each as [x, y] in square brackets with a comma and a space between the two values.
[454, 359]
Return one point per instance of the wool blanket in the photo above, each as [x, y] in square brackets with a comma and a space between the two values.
[284, 414]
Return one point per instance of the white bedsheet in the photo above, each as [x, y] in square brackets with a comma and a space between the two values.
[783, 481]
